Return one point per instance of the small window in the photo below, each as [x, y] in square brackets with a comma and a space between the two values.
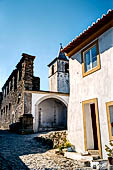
[9, 106]
[52, 69]
[19, 97]
[109, 108]
[6, 109]
[11, 84]
[67, 68]
[7, 89]
[91, 59]
[15, 82]
[20, 74]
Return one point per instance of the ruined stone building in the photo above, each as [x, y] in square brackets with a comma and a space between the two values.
[12, 96]
[24, 106]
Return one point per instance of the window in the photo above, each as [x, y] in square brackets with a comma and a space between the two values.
[52, 69]
[19, 97]
[11, 84]
[109, 109]
[20, 74]
[7, 89]
[6, 109]
[67, 68]
[15, 82]
[91, 59]
[9, 106]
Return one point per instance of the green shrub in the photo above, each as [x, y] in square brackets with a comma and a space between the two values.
[67, 144]
[109, 150]
[61, 147]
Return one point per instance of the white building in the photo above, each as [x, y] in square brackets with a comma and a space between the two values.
[90, 109]
[59, 74]
[49, 108]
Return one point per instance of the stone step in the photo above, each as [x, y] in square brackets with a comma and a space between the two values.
[95, 157]
[99, 164]
[78, 156]
[93, 152]
[91, 161]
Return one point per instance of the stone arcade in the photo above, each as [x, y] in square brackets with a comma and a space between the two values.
[25, 108]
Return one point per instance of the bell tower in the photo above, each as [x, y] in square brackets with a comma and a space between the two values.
[59, 73]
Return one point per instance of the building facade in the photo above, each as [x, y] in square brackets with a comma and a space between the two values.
[26, 108]
[12, 96]
[59, 74]
[90, 109]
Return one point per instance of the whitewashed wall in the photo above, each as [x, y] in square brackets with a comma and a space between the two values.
[96, 85]
[37, 98]
[59, 81]
[53, 85]
[52, 109]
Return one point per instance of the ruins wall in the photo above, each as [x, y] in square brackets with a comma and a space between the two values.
[12, 104]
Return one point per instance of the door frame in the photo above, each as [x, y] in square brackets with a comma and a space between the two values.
[97, 123]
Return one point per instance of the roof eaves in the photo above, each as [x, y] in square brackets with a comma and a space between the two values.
[94, 27]
[52, 62]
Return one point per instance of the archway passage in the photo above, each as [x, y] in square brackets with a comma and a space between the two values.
[52, 115]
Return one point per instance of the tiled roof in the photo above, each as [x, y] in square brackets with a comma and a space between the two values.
[89, 31]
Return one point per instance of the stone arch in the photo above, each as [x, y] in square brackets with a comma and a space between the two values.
[50, 113]
[51, 96]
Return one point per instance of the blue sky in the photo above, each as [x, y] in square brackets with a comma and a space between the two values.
[37, 27]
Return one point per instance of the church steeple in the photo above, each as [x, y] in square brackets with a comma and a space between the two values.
[62, 55]
[61, 48]
[59, 73]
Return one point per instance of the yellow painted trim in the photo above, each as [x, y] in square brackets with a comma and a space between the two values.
[84, 125]
[97, 123]
[98, 59]
[108, 118]
[90, 39]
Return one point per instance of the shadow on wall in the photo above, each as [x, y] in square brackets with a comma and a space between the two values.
[12, 146]
[24, 125]
[52, 115]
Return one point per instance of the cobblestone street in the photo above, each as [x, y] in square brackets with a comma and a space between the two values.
[22, 152]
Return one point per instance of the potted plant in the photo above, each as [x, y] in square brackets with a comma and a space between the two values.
[109, 151]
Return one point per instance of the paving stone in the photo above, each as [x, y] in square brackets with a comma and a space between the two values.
[23, 152]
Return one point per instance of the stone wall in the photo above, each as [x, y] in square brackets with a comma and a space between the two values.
[58, 137]
[12, 104]
[1, 97]
[27, 102]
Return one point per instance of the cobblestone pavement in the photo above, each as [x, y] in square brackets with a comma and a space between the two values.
[23, 152]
